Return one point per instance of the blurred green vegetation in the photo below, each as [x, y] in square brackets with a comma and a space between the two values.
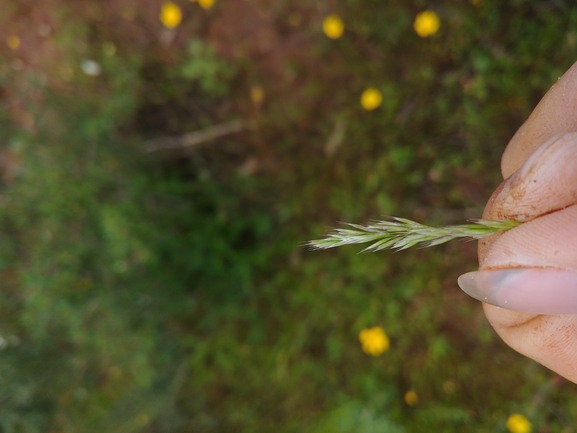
[166, 290]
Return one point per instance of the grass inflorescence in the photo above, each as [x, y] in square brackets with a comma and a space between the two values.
[401, 233]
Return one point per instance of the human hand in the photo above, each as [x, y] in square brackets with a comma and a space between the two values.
[527, 276]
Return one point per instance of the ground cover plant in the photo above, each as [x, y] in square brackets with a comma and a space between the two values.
[162, 164]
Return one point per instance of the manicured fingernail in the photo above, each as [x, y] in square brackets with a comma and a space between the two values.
[531, 290]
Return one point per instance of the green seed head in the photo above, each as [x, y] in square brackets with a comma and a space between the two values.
[400, 233]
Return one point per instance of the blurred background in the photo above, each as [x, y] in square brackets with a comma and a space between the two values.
[161, 165]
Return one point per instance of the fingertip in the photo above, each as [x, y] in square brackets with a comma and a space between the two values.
[543, 184]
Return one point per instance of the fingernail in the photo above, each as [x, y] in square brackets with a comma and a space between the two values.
[545, 182]
[531, 290]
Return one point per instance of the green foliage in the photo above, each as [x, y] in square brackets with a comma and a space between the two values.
[353, 418]
[205, 66]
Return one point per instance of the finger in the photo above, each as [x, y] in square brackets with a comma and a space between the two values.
[554, 115]
[546, 182]
[548, 241]
[545, 241]
[531, 268]
[549, 340]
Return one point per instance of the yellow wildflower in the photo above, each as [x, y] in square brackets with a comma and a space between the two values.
[170, 15]
[13, 42]
[426, 23]
[374, 341]
[205, 4]
[371, 98]
[411, 398]
[333, 26]
[517, 423]
[257, 94]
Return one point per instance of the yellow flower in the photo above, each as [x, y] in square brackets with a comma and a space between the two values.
[517, 423]
[411, 398]
[371, 98]
[13, 42]
[374, 341]
[170, 15]
[426, 23]
[333, 26]
[257, 94]
[205, 4]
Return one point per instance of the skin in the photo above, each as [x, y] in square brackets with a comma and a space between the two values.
[549, 238]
